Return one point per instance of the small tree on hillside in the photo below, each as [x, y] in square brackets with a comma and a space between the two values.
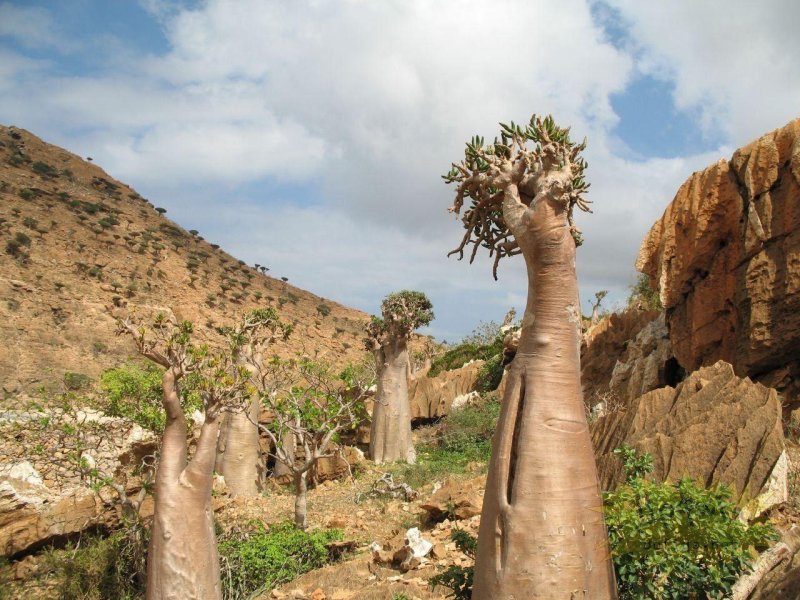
[598, 298]
[182, 559]
[387, 338]
[311, 414]
[542, 533]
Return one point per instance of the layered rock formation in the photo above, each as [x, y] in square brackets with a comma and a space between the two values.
[432, 397]
[625, 355]
[713, 427]
[726, 258]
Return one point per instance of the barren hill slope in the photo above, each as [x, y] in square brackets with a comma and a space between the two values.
[74, 241]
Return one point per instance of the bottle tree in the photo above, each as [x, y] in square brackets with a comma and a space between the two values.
[182, 559]
[387, 338]
[542, 533]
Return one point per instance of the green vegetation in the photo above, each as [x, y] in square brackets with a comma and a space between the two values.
[323, 309]
[465, 437]
[43, 169]
[134, 392]
[264, 558]
[643, 295]
[15, 245]
[76, 381]
[676, 540]
[101, 569]
[491, 373]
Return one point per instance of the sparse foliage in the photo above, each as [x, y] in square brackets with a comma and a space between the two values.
[486, 170]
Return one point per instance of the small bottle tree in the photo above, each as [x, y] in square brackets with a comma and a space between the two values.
[387, 338]
[542, 533]
[312, 414]
[182, 560]
[598, 297]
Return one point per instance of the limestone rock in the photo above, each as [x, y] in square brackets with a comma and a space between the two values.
[714, 427]
[604, 345]
[432, 397]
[456, 499]
[726, 258]
[646, 364]
[783, 581]
[31, 515]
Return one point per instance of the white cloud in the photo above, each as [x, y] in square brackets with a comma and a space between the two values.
[736, 62]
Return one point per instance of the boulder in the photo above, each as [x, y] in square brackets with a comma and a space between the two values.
[31, 515]
[714, 427]
[456, 500]
[725, 257]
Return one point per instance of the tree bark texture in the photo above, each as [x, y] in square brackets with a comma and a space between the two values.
[289, 444]
[182, 561]
[301, 498]
[390, 433]
[241, 464]
[542, 534]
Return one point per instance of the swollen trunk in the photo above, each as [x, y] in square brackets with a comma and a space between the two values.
[542, 534]
[182, 561]
[241, 463]
[390, 434]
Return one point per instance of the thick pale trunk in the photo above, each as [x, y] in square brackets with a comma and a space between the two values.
[241, 462]
[390, 433]
[301, 498]
[182, 561]
[542, 534]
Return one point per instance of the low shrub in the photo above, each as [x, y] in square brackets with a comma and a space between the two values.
[112, 568]
[76, 381]
[676, 540]
[265, 558]
[491, 374]
[456, 578]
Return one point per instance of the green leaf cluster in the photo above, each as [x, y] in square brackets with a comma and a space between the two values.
[134, 392]
[676, 540]
[266, 558]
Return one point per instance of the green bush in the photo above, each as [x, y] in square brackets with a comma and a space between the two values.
[463, 353]
[465, 437]
[43, 169]
[667, 540]
[491, 374]
[268, 557]
[641, 292]
[134, 392]
[76, 381]
[111, 568]
[676, 540]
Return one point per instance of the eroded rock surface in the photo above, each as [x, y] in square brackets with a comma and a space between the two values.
[726, 258]
[714, 427]
[432, 397]
[605, 344]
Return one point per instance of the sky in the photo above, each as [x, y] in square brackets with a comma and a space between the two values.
[310, 135]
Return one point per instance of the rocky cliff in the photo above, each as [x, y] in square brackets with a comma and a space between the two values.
[726, 258]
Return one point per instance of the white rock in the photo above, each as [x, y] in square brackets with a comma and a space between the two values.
[23, 471]
[417, 543]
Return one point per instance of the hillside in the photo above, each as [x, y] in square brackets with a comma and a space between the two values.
[74, 241]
